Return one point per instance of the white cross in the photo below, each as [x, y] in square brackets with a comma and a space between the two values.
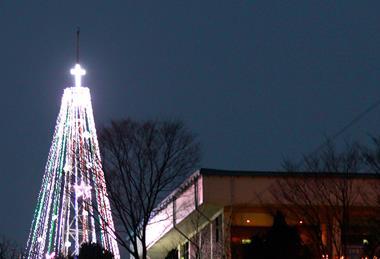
[78, 72]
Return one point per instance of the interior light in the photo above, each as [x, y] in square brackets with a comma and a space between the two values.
[246, 241]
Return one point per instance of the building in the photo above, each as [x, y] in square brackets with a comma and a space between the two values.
[215, 213]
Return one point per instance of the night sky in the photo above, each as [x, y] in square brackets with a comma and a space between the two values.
[257, 81]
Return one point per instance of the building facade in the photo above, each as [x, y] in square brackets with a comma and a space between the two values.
[216, 213]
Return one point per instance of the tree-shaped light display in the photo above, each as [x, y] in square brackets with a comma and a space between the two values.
[72, 206]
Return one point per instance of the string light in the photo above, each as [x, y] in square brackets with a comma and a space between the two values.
[83, 190]
[73, 191]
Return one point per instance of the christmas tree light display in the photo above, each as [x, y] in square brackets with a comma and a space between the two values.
[72, 206]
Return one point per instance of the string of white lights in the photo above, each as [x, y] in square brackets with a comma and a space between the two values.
[72, 206]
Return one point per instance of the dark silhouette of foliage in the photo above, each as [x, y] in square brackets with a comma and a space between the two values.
[256, 249]
[61, 256]
[281, 241]
[8, 249]
[88, 251]
[173, 254]
[94, 251]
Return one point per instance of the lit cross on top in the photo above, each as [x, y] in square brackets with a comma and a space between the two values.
[78, 72]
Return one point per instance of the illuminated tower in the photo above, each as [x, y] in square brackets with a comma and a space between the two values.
[72, 206]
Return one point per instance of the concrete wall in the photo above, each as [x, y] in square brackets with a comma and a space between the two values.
[244, 200]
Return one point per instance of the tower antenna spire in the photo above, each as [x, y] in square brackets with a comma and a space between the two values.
[78, 71]
[77, 49]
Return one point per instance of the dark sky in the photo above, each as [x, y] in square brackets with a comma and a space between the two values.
[256, 80]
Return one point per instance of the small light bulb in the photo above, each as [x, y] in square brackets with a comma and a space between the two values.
[67, 168]
[86, 135]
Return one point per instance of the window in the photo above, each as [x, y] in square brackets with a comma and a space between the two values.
[185, 251]
[218, 228]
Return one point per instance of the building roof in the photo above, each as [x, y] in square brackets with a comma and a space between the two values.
[246, 173]
[210, 191]
[221, 172]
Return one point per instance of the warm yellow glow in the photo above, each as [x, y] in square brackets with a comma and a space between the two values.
[246, 241]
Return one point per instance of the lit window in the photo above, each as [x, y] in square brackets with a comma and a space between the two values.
[185, 251]
[246, 241]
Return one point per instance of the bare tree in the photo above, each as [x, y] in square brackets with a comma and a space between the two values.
[322, 194]
[371, 155]
[207, 240]
[143, 162]
[9, 249]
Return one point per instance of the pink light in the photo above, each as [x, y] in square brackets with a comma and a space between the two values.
[83, 189]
